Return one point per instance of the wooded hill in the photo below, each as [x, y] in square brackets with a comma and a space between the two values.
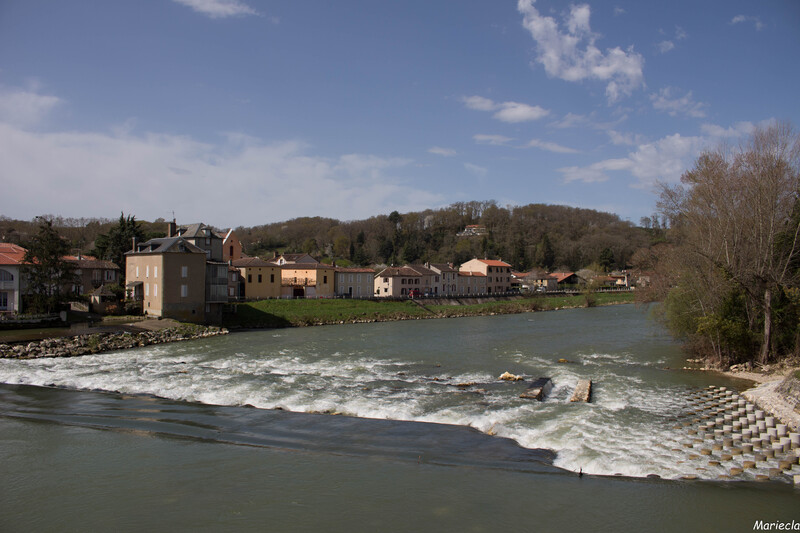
[551, 237]
[530, 236]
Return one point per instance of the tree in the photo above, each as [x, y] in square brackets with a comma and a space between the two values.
[733, 221]
[45, 270]
[606, 260]
[112, 246]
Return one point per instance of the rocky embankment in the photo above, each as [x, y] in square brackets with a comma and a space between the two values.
[104, 342]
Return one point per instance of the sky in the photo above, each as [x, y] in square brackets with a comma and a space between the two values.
[247, 112]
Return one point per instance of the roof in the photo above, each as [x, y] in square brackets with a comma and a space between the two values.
[390, 272]
[11, 254]
[193, 231]
[250, 262]
[561, 276]
[166, 245]
[295, 258]
[424, 271]
[355, 270]
[87, 262]
[494, 263]
[472, 274]
[443, 267]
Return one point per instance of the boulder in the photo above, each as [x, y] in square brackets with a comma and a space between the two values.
[508, 376]
[538, 389]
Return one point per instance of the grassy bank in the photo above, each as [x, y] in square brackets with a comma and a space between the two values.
[289, 313]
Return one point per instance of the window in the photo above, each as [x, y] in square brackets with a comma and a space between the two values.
[324, 279]
[351, 278]
[147, 271]
[3, 298]
[111, 275]
[155, 271]
[230, 291]
[259, 278]
[184, 271]
[386, 280]
[359, 278]
[233, 276]
[147, 289]
[184, 291]
[272, 278]
[231, 251]
[249, 278]
[208, 241]
[155, 290]
[5, 275]
[137, 271]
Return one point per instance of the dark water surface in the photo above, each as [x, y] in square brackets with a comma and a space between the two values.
[167, 439]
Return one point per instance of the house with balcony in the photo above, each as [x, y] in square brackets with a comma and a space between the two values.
[307, 280]
[11, 257]
[498, 274]
[292, 259]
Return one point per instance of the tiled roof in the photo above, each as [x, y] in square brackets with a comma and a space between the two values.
[422, 270]
[11, 254]
[472, 274]
[245, 262]
[494, 263]
[390, 272]
[166, 245]
[355, 270]
[561, 276]
[443, 267]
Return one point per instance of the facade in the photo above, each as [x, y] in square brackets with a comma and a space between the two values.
[471, 283]
[397, 282]
[91, 273]
[565, 280]
[448, 278]
[307, 280]
[168, 276]
[354, 282]
[498, 273]
[231, 246]
[11, 257]
[260, 280]
[429, 282]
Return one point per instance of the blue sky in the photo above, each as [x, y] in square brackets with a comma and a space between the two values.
[244, 112]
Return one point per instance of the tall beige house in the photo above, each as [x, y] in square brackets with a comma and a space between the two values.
[260, 279]
[498, 273]
[168, 276]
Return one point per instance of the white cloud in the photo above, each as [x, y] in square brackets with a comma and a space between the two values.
[506, 111]
[665, 100]
[495, 140]
[664, 160]
[239, 181]
[571, 120]
[476, 170]
[618, 11]
[740, 129]
[665, 46]
[25, 108]
[219, 8]
[551, 147]
[630, 139]
[438, 150]
[573, 56]
[743, 18]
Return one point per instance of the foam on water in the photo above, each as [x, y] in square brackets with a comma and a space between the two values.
[624, 430]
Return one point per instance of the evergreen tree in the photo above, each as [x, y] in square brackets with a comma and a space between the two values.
[47, 274]
[112, 246]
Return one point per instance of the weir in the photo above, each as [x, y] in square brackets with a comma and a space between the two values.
[728, 431]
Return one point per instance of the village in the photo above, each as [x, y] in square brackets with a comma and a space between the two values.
[194, 272]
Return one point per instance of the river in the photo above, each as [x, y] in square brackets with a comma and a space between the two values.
[226, 433]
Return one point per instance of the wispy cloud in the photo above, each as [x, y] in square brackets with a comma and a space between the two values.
[664, 160]
[496, 140]
[216, 9]
[738, 19]
[630, 139]
[669, 44]
[438, 150]
[551, 147]
[665, 100]
[572, 54]
[476, 170]
[506, 111]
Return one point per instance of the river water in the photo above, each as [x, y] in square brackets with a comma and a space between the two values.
[226, 433]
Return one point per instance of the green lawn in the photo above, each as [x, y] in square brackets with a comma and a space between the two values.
[287, 313]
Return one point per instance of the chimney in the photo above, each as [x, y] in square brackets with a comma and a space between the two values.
[173, 229]
[134, 243]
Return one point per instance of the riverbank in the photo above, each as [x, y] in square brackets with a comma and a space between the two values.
[144, 333]
[299, 313]
[777, 391]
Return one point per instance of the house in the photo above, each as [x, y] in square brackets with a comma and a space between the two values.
[231, 246]
[205, 238]
[429, 280]
[202, 236]
[168, 275]
[260, 279]
[397, 282]
[307, 280]
[91, 273]
[448, 277]
[291, 259]
[473, 230]
[498, 273]
[567, 280]
[354, 282]
[471, 283]
[11, 257]
[535, 281]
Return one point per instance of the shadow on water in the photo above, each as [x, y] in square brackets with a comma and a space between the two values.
[417, 442]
